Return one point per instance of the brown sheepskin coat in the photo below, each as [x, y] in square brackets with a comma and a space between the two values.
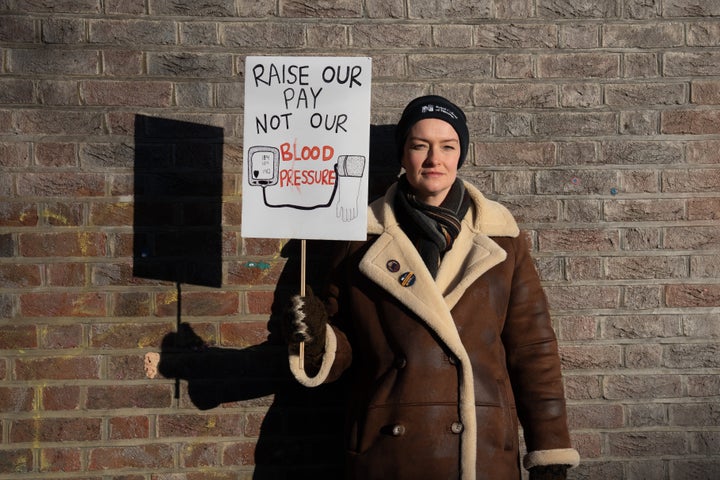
[443, 369]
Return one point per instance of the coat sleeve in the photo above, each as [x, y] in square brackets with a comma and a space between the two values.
[533, 364]
[338, 352]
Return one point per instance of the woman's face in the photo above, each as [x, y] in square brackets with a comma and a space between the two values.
[430, 158]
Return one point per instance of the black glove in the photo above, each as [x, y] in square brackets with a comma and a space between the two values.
[306, 321]
[549, 472]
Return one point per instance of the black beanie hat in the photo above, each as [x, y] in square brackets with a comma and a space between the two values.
[433, 106]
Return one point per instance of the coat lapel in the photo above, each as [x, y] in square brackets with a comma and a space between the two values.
[473, 254]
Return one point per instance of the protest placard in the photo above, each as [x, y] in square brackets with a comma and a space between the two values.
[306, 146]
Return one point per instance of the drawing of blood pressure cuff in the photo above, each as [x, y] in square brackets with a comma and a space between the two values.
[350, 165]
[263, 165]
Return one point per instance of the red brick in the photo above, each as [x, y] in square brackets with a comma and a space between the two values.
[200, 455]
[127, 457]
[63, 304]
[703, 385]
[692, 295]
[58, 93]
[114, 397]
[60, 460]
[131, 304]
[111, 214]
[590, 357]
[118, 273]
[580, 297]
[18, 460]
[259, 302]
[635, 268]
[16, 399]
[7, 245]
[66, 274]
[121, 428]
[583, 268]
[706, 92]
[261, 246]
[197, 425]
[7, 305]
[692, 355]
[579, 65]
[641, 297]
[577, 328]
[122, 62]
[199, 303]
[126, 367]
[55, 154]
[57, 368]
[703, 209]
[644, 210]
[243, 334]
[641, 326]
[589, 445]
[14, 154]
[695, 415]
[515, 154]
[78, 429]
[690, 237]
[589, 416]
[255, 421]
[619, 387]
[18, 29]
[20, 276]
[640, 444]
[647, 415]
[61, 184]
[643, 356]
[15, 337]
[690, 122]
[701, 326]
[66, 244]
[63, 214]
[58, 122]
[241, 453]
[61, 397]
[703, 152]
[127, 335]
[254, 273]
[61, 336]
[578, 240]
[17, 214]
[696, 180]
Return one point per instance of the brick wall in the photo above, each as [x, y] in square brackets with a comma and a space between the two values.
[595, 122]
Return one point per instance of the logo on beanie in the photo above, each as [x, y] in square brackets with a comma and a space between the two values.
[438, 108]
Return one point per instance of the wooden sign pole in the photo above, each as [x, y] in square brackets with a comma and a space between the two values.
[303, 259]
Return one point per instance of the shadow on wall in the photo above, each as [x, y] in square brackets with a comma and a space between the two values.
[301, 435]
[178, 201]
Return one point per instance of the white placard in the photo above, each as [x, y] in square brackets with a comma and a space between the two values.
[306, 147]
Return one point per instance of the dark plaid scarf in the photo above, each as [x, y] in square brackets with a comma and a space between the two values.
[432, 229]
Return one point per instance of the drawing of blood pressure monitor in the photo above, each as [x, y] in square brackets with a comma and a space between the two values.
[263, 165]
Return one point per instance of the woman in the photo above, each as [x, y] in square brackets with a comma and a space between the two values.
[440, 319]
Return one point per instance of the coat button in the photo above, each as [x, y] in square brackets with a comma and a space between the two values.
[456, 427]
[398, 430]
